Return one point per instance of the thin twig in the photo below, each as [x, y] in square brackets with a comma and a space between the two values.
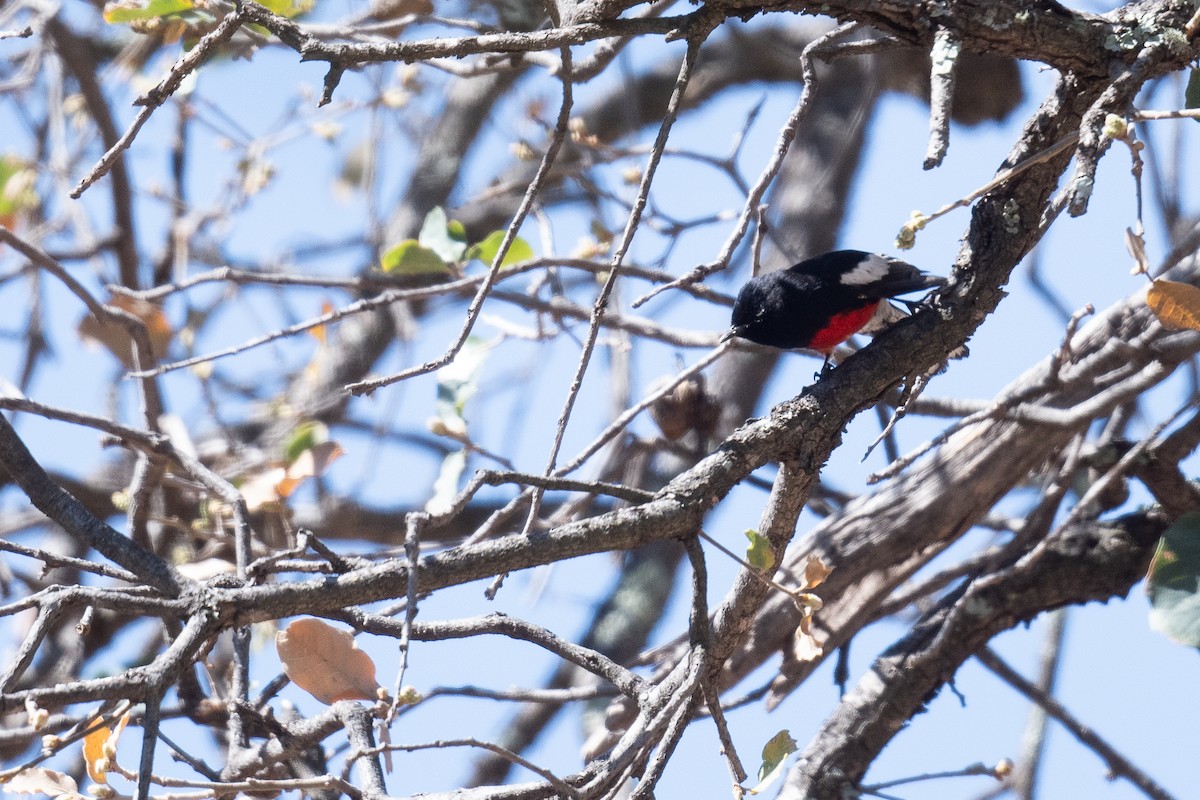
[631, 227]
[43, 261]
[1033, 742]
[621, 422]
[415, 522]
[760, 231]
[552, 696]
[557, 137]
[374, 281]
[1064, 355]
[151, 718]
[565, 788]
[68, 512]
[687, 697]
[700, 634]
[1117, 764]
[770, 171]
[919, 220]
[766, 579]
[52, 560]
[912, 391]
[313, 49]
[594, 662]
[1157, 114]
[366, 304]
[629, 494]
[154, 98]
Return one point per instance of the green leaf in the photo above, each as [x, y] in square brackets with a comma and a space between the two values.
[17, 186]
[759, 554]
[447, 239]
[458, 380]
[290, 8]
[132, 10]
[1191, 95]
[774, 756]
[305, 436]
[1174, 582]
[486, 250]
[445, 488]
[411, 258]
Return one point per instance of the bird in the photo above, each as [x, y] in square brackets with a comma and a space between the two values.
[823, 301]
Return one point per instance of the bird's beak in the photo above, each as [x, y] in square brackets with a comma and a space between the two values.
[729, 334]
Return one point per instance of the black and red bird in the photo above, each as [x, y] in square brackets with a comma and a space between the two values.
[820, 303]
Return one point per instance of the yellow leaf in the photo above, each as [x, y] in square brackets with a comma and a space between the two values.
[774, 755]
[326, 662]
[1177, 305]
[758, 552]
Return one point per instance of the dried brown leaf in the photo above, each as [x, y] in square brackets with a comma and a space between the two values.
[39, 780]
[815, 572]
[325, 662]
[1177, 305]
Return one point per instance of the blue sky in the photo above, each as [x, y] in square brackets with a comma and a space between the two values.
[1123, 679]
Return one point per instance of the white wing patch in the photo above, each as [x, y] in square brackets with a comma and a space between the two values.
[870, 269]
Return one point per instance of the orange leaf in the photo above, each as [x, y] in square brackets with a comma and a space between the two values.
[115, 337]
[1177, 305]
[93, 754]
[325, 662]
[100, 747]
[309, 464]
[319, 333]
[262, 489]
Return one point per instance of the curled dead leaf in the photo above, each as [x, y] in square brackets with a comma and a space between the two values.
[815, 572]
[805, 646]
[39, 780]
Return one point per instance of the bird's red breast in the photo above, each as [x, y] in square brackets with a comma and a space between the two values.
[841, 327]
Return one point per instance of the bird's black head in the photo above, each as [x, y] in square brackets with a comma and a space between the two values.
[752, 309]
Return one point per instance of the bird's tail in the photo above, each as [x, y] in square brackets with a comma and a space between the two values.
[903, 278]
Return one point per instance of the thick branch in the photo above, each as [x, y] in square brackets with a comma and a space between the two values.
[68, 512]
[1085, 563]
